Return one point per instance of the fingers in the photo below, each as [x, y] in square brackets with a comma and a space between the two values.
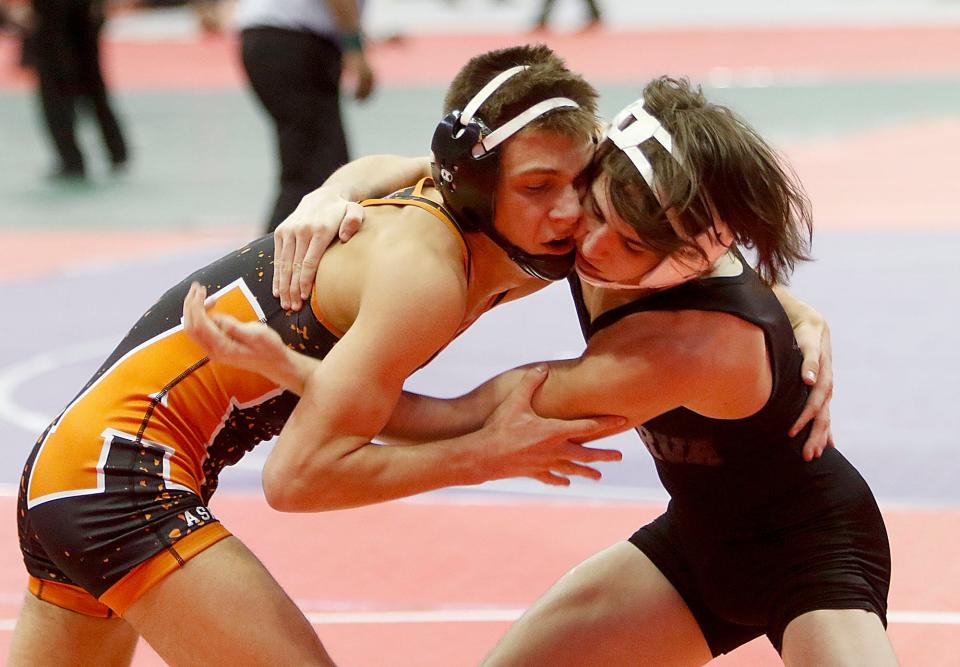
[591, 428]
[551, 479]
[809, 342]
[196, 321]
[228, 324]
[303, 239]
[310, 263]
[575, 452]
[809, 370]
[570, 468]
[817, 401]
[571, 463]
[819, 439]
[352, 220]
[285, 246]
[561, 471]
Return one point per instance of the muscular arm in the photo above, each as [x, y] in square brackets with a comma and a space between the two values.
[633, 369]
[346, 15]
[324, 458]
[374, 176]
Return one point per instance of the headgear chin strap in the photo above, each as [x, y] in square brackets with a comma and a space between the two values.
[630, 128]
[466, 164]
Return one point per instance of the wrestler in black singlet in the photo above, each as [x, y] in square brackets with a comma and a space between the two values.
[753, 535]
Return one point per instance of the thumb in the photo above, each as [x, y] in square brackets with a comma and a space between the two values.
[529, 383]
[226, 323]
[809, 370]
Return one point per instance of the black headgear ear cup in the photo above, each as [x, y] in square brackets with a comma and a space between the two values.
[466, 182]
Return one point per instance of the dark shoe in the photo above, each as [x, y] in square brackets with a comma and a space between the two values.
[591, 26]
[65, 173]
[118, 167]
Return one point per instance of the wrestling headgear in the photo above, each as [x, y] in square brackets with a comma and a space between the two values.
[629, 129]
[466, 163]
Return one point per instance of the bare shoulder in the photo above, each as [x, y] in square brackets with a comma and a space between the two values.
[413, 232]
[403, 266]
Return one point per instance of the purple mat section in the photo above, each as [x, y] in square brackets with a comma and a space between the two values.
[890, 299]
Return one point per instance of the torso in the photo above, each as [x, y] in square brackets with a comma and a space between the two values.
[748, 518]
[682, 440]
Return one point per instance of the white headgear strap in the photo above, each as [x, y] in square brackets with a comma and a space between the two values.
[515, 124]
[633, 126]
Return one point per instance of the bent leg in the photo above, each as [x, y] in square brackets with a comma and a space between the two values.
[223, 608]
[49, 635]
[615, 608]
[837, 637]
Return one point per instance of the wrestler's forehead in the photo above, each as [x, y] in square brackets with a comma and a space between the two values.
[535, 150]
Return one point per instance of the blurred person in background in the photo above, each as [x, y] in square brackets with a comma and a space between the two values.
[16, 18]
[547, 7]
[294, 53]
[66, 55]
[209, 15]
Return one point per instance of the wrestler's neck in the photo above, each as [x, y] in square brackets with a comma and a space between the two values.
[601, 299]
[493, 271]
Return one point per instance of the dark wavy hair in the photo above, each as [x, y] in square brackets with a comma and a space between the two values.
[724, 166]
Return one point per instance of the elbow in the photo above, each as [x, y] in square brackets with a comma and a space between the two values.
[279, 489]
[300, 490]
[285, 490]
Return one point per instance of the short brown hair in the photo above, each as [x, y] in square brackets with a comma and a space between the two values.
[546, 76]
[723, 162]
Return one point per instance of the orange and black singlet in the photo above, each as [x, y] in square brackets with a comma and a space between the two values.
[125, 471]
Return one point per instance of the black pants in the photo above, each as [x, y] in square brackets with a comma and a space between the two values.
[66, 50]
[296, 76]
[547, 7]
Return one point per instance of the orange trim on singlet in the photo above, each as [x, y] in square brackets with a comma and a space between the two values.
[146, 575]
[66, 596]
[435, 210]
[315, 307]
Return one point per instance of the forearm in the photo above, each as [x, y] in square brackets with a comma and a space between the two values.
[375, 176]
[292, 374]
[419, 419]
[346, 15]
[374, 473]
[323, 460]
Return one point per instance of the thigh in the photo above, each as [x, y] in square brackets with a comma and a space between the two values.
[616, 608]
[49, 635]
[837, 637]
[223, 608]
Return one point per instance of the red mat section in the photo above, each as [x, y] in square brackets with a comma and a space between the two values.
[604, 56]
[468, 558]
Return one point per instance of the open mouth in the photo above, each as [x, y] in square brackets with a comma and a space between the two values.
[560, 246]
